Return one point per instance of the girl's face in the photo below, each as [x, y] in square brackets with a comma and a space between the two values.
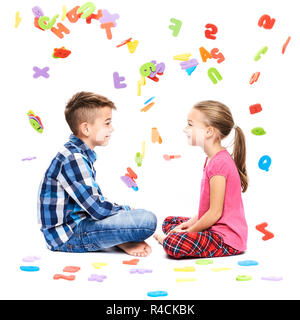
[196, 130]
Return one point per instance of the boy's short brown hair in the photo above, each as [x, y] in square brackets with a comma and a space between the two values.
[83, 107]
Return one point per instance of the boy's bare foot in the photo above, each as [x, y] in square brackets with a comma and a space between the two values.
[137, 249]
[160, 237]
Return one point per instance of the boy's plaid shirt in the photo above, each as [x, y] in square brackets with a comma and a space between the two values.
[68, 193]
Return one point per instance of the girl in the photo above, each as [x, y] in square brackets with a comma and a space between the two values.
[219, 228]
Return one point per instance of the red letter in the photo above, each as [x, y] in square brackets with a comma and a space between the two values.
[107, 27]
[59, 31]
[73, 16]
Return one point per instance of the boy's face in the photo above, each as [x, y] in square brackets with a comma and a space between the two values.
[98, 133]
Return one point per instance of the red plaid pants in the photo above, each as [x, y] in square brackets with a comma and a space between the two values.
[193, 244]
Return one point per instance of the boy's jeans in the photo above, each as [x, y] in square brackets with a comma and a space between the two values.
[124, 226]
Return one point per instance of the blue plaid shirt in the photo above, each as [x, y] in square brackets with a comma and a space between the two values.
[68, 193]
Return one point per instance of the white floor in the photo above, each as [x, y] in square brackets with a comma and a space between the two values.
[120, 284]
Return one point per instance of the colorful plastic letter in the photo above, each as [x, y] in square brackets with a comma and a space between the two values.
[86, 9]
[107, 26]
[176, 27]
[209, 33]
[185, 269]
[107, 17]
[71, 269]
[285, 44]
[132, 45]
[98, 265]
[204, 261]
[189, 71]
[213, 73]
[117, 81]
[155, 136]
[147, 68]
[37, 11]
[272, 278]
[189, 64]
[18, 19]
[204, 54]
[72, 15]
[59, 30]
[94, 16]
[258, 131]
[169, 157]
[124, 42]
[264, 163]
[262, 228]
[255, 108]
[150, 99]
[243, 277]
[214, 53]
[61, 52]
[182, 57]
[64, 12]
[131, 173]
[62, 276]
[29, 268]
[97, 277]
[266, 22]
[143, 149]
[254, 77]
[140, 83]
[41, 72]
[185, 279]
[49, 24]
[35, 121]
[138, 159]
[150, 105]
[246, 263]
[261, 51]
[132, 262]
[160, 68]
[128, 181]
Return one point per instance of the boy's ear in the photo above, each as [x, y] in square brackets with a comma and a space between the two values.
[84, 129]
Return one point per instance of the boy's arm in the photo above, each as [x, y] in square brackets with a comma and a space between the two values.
[214, 213]
[77, 180]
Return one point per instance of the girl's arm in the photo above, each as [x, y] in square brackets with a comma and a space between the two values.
[213, 214]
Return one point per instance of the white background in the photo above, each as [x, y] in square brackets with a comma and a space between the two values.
[165, 187]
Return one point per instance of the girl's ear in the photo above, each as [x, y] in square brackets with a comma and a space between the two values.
[209, 131]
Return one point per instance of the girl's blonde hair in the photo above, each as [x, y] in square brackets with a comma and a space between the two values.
[219, 116]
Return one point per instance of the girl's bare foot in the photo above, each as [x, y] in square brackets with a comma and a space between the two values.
[137, 249]
[160, 237]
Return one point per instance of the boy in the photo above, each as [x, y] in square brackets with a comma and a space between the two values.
[74, 215]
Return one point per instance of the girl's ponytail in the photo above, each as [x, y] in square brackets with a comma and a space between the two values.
[239, 156]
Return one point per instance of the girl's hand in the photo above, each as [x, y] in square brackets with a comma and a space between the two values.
[181, 228]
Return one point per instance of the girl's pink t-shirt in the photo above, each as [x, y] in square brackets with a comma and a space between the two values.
[232, 225]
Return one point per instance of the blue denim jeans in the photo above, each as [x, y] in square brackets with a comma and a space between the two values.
[124, 226]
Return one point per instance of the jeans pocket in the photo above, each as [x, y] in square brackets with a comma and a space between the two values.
[65, 247]
[88, 242]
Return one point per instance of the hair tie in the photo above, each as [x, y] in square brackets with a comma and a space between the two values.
[234, 126]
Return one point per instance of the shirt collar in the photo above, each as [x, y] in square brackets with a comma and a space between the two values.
[84, 147]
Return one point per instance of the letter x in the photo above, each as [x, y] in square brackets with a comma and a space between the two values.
[41, 72]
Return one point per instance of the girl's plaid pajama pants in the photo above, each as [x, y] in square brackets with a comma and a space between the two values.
[193, 244]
